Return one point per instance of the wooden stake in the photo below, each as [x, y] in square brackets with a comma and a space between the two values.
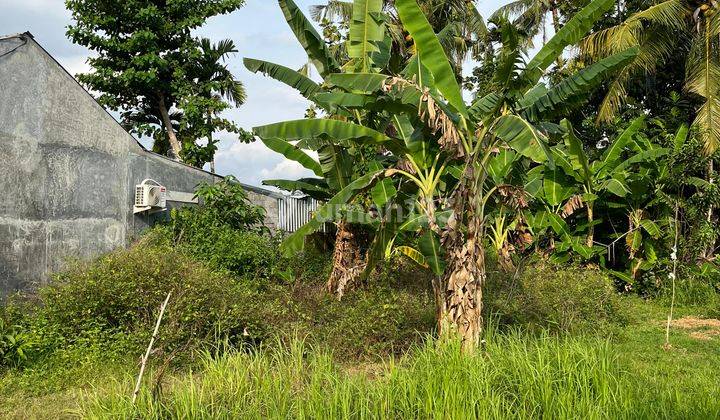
[673, 276]
[149, 349]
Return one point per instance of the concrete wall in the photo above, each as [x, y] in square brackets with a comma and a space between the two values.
[68, 170]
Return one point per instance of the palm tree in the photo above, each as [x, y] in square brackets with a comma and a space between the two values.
[666, 28]
[213, 90]
[531, 16]
[457, 24]
[690, 27]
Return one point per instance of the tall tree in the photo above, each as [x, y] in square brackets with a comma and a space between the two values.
[211, 89]
[142, 49]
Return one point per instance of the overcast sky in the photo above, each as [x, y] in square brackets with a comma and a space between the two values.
[259, 31]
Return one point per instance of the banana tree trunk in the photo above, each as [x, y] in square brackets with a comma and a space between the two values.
[458, 292]
[591, 228]
[348, 261]
[172, 138]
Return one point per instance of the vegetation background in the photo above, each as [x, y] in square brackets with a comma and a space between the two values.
[549, 250]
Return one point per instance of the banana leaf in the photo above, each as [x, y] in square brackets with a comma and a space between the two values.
[318, 52]
[367, 32]
[570, 33]
[431, 53]
[293, 153]
[328, 212]
[290, 77]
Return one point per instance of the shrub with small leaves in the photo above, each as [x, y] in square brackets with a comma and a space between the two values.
[566, 299]
[120, 294]
[227, 203]
[14, 344]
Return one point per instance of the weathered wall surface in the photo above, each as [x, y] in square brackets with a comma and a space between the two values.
[67, 170]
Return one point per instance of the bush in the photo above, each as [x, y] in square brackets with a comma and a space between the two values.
[226, 232]
[226, 202]
[367, 323]
[108, 307]
[388, 315]
[14, 343]
[116, 298]
[245, 253]
[558, 298]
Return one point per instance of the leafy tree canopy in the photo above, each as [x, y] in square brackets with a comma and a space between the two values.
[148, 63]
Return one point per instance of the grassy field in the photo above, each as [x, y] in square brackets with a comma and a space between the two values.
[628, 374]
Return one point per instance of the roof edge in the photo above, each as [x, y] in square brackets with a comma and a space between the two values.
[17, 35]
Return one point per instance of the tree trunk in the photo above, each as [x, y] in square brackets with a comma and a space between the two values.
[710, 250]
[172, 138]
[348, 261]
[591, 228]
[711, 181]
[460, 311]
[210, 140]
[458, 292]
[212, 161]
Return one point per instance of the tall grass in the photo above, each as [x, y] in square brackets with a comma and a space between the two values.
[517, 376]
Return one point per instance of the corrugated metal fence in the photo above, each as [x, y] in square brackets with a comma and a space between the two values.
[295, 211]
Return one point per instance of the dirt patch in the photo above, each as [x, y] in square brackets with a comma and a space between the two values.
[699, 328]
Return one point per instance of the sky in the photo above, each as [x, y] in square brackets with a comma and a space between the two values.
[258, 30]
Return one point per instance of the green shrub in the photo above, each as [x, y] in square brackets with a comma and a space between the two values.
[109, 306]
[311, 266]
[14, 343]
[558, 298]
[226, 232]
[243, 252]
[116, 298]
[693, 286]
[227, 203]
[367, 323]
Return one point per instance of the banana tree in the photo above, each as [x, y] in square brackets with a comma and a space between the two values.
[458, 24]
[446, 148]
[346, 141]
[466, 139]
[610, 174]
[619, 178]
[441, 150]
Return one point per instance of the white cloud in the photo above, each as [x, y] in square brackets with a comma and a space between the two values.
[43, 6]
[286, 169]
[75, 64]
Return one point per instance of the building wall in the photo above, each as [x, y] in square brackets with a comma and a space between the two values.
[67, 171]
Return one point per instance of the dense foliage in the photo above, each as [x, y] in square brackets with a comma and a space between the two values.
[510, 222]
[518, 170]
[166, 83]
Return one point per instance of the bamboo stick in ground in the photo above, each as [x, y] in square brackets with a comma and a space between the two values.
[149, 349]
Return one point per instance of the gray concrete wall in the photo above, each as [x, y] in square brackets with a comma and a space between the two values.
[68, 171]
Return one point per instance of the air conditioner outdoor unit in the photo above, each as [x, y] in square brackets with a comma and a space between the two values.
[150, 196]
